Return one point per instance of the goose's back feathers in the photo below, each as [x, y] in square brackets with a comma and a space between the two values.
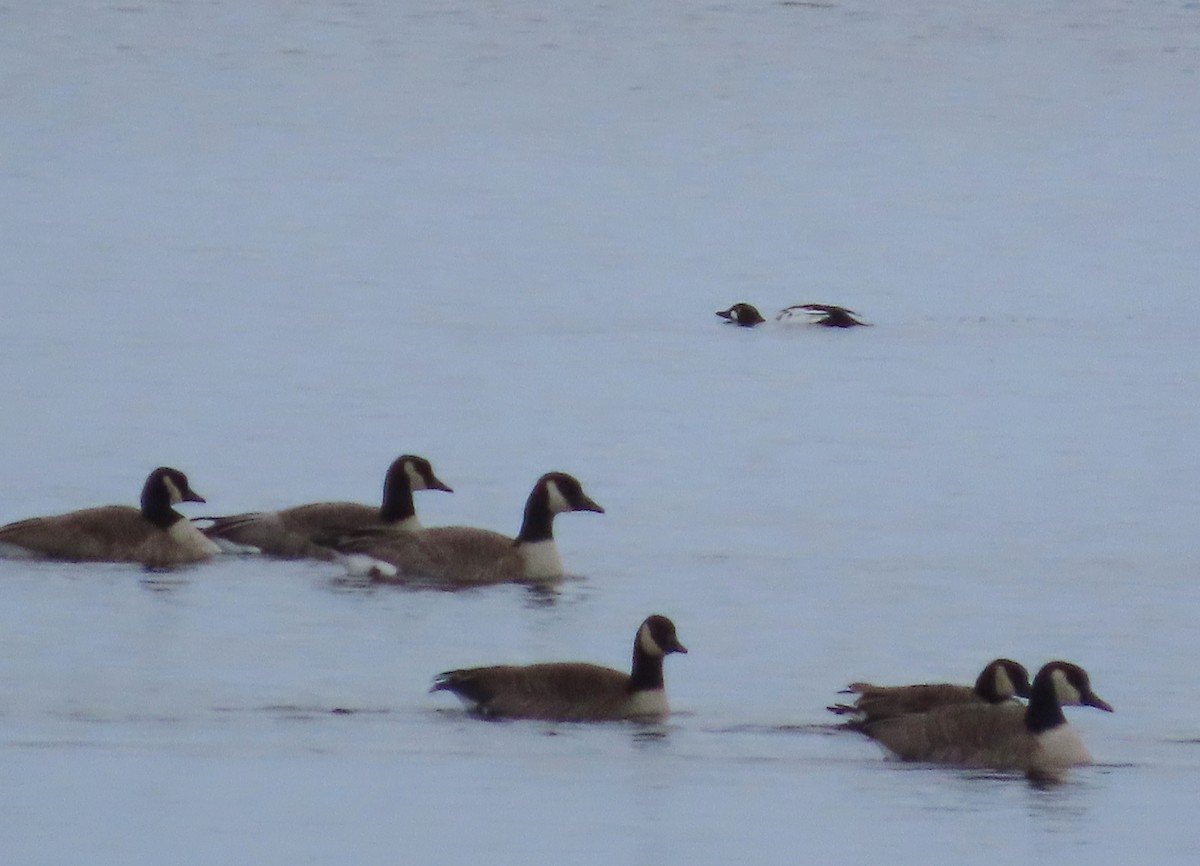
[444, 554]
[965, 735]
[882, 702]
[1001, 680]
[308, 531]
[554, 691]
[295, 533]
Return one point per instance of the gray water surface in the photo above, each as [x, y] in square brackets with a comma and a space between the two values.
[276, 245]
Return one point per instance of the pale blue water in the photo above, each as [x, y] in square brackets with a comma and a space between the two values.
[278, 245]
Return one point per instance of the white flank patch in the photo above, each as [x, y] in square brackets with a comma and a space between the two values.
[541, 559]
[652, 702]
[172, 489]
[1062, 747]
[361, 565]
[466, 702]
[14, 551]
[557, 502]
[647, 642]
[235, 549]
[188, 537]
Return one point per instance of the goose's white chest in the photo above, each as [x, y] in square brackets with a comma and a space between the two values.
[651, 702]
[541, 560]
[1061, 747]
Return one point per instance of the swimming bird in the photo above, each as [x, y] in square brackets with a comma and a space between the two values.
[1034, 739]
[573, 691]
[999, 682]
[155, 535]
[742, 314]
[828, 315]
[466, 556]
[298, 532]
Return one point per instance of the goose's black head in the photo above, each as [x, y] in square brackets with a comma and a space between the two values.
[657, 637]
[1002, 680]
[165, 487]
[1070, 684]
[563, 492]
[414, 472]
[1056, 685]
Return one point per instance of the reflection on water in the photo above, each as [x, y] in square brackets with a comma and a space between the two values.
[163, 580]
[557, 190]
[536, 595]
[646, 735]
[1058, 804]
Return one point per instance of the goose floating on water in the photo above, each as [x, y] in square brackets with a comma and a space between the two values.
[155, 535]
[300, 532]
[457, 556]
[999, 682]
[573, 691]
[1034, 739]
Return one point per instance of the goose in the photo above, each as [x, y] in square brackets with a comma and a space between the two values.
[827, 315]
[1034, 739]
[156, 535]
[465, 556]
[999, 682]
[297, 533]
[746, 315]
[573, 691]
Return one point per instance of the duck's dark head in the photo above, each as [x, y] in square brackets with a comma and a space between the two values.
[742, 314]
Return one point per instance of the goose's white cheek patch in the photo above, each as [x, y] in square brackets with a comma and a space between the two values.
[647, 642]
[555, 499]
[1067, 694]
[173, 490]
[416, 480]
[1004, 683]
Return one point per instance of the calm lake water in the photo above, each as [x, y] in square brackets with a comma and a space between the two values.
[276, 245]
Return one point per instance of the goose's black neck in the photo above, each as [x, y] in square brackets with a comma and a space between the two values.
[1044, 712]
[156, 504]
[397, 502]
[538, 523]
[647, 669]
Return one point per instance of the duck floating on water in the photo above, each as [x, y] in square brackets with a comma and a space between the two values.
[826, 315]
